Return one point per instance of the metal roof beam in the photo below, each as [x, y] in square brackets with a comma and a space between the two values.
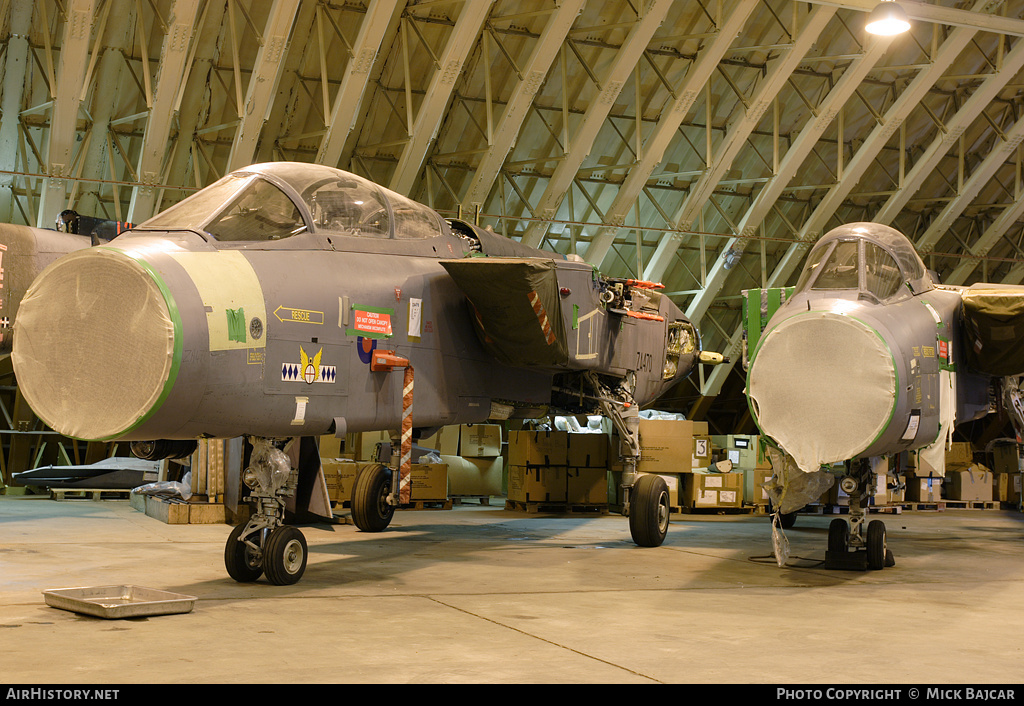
[263, 82]
[349, 98]
[989, 238]
[879, 137]
[977, 18]
[927, 163]
[788, 167]
[15, 73]
[171, 74]
[737, 136]
[618, 73]
[439, 92]
[74, 52]
[511, 121]
[672, 116]
[1002, 150]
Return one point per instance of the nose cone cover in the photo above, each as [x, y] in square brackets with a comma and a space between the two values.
[823, 385]
[94, 344]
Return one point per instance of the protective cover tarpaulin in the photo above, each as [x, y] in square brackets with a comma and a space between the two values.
[823, 386]
[95, 314]
[518, 314]
[994, 324]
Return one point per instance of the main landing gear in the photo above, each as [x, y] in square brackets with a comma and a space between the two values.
[849, 545]
[265, 545]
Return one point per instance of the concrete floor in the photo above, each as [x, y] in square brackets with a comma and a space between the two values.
[478, 594]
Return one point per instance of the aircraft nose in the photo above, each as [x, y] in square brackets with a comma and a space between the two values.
[95, 343]
[823, 385]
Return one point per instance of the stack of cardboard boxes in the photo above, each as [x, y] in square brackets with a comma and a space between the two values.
[557, 467]
[679, 451]
[965, 479]
[923, 480]
[1006, 470]
[429, 481]
[744, 451]
[473, 454]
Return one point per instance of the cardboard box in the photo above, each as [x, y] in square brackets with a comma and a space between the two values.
[429, 481]
[364, 444]
[588, 451]
[445, 441]
[919, 468]
[753, 493]
[1005, 458]
[742, 449]
[924, 490]
[587, 486]
[537, 483]
[340, 476]
[479, 440]
[330, 446]
[960, 453]
[474, 476]
[1007, 487]
[669, 446]
[704, 490]
[538, 448]
[972, 483]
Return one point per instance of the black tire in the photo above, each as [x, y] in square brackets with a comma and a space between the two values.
[649, 510]
[284, 557]
[838, 536]
[371, 511]
[876, 544]
[243, 563]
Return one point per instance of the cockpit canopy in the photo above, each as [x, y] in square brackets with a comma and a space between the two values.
[275, 200]
[867, 258]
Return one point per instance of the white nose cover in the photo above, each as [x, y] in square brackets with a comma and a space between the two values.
[823, 386]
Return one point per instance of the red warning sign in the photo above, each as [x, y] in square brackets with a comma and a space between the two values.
[373, 322]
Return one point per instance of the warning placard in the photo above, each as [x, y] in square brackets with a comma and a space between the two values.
[373, 323]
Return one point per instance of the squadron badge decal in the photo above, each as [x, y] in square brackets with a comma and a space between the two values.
[308, 370]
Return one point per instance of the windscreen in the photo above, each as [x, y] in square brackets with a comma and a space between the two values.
[193, 212]
[839, 271]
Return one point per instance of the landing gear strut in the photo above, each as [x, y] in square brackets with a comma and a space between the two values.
[265, 545]
[849, 545]
[645, 499]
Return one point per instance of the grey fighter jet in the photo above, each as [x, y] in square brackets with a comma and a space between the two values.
[866, 357]
[292, 300]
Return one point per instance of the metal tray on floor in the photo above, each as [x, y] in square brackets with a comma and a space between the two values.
[123, 601]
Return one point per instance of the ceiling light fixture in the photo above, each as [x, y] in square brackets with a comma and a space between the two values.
[887, 19]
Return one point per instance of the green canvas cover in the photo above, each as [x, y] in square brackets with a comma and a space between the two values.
[994, 328]
[518, 314]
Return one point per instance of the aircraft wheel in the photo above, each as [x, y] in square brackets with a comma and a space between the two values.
[649, 510]
[877, 551]
[284, 557]
[244, 564]
[838, 536]
[371, 511]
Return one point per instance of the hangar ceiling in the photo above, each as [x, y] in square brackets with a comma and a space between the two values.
[704, 144]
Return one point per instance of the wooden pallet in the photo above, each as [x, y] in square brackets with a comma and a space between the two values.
[480, 499]
[445, 504]
[564, 508]
[744, 510]
[61, 494]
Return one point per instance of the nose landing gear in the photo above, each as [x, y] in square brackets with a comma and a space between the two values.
[849, 546]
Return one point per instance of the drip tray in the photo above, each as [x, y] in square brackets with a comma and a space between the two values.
[124, 601]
